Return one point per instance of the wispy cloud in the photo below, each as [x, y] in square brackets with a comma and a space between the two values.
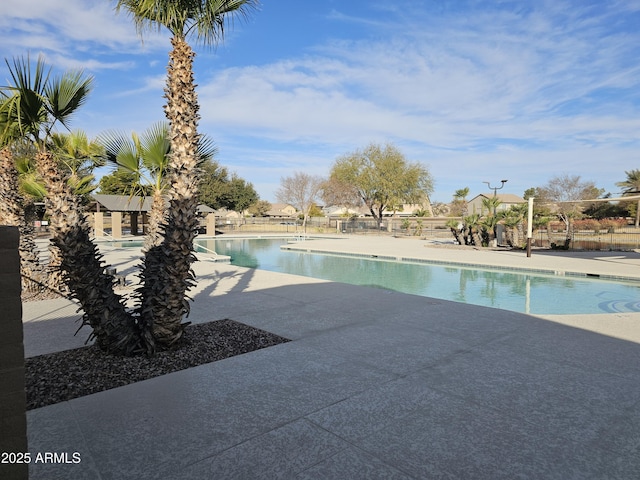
[465, 83]
[485, 76]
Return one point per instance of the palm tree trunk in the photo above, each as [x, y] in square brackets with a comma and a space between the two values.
[156, 216]
[166, 271]
[114, 328]
[14, 211]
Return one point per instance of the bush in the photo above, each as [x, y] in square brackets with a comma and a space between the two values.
[610, 224]
[587, 224]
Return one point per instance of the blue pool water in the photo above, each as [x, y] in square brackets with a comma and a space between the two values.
[515, 291]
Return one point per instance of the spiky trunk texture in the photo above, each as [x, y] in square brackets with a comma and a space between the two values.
[166, 272]
[55, 275]
[14, 210]
[114, 328]
[154, 225]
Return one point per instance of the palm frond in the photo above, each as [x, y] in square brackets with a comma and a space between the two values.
[154, 149]
[66, 93]
[207, 149]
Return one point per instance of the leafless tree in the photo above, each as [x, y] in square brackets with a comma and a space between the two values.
[302, 191]
[564, 194]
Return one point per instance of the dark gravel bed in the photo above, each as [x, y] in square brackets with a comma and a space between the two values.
[69, 374]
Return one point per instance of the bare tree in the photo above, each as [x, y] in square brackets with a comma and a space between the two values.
[565, 194]
[302, 191]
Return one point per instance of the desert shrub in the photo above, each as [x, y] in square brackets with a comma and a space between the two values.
[610, 224]
[587, 224]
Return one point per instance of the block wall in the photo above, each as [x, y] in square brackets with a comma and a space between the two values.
[13, 419]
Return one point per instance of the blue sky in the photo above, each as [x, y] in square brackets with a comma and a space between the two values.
[476, 90]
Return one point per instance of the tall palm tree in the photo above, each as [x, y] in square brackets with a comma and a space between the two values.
[631, 186]
[147, 157]
[33, 105]
[167, 273]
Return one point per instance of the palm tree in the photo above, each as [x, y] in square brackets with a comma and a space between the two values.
[15, 209]
[456, 230]
[631, 186]
[78, 157]
[147, 157]
[473, 224]
[167, 273]
[513, 220]
[490, 222]
[32, 106]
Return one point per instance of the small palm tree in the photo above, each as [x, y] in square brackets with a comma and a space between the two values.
[80, 156]
[490, 222]
[473, 224]
[167, 273]
[147, 157]
[456, 228]
[460, 199]
[631, 186]
[513, 220]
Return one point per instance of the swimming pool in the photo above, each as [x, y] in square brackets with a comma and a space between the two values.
[515, 291]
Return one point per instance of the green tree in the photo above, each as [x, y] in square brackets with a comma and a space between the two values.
[240, 194]
[119, 182]
[260, 208]
[382, 178]
[214, 180]
[631, 186]
[167, 274]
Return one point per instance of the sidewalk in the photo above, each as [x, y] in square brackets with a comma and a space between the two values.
[375, 384]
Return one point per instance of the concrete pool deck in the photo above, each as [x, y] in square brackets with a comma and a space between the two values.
[375, 384]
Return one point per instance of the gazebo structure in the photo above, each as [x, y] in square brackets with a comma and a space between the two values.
[137, 208]
[117, 206]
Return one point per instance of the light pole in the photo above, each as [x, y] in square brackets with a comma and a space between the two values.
[495, 191]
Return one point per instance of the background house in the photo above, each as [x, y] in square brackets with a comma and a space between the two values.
[281, 210]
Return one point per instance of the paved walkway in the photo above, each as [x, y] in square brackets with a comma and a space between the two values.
[375, 384]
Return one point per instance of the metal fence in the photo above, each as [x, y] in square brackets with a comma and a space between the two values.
[620, 239]
[432, 227]
[581, 240]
